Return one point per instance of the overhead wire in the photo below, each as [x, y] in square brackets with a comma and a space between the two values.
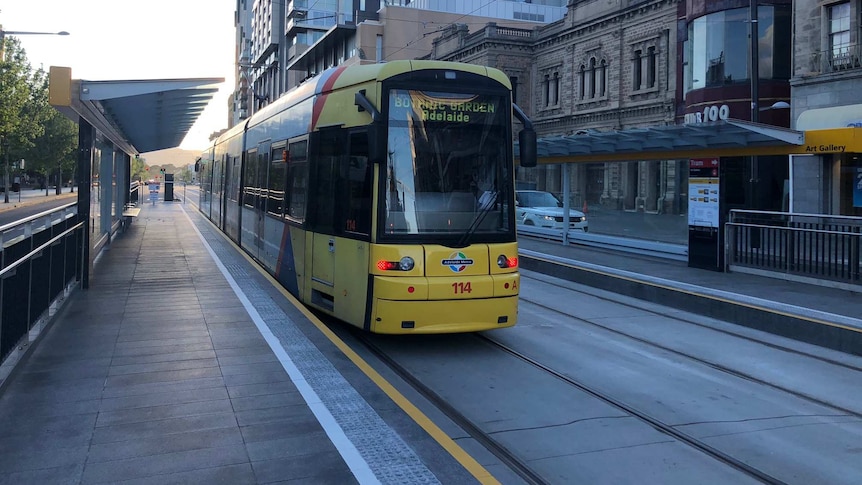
[426, 34]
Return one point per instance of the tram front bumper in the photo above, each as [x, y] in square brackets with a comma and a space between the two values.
[443, 316]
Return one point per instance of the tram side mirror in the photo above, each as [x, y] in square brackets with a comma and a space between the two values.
[376, 149]
[527, 147]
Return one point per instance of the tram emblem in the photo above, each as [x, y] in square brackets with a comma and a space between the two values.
[457, 262]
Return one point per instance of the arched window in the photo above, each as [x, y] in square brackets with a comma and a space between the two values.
[582, 79]
[555, 88]
[637, 73]
[593, 77]
[651, 67]
[603, 78]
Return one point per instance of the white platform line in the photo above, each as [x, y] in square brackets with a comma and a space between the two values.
[336, 434]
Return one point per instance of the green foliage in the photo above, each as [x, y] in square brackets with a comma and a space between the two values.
[35, 131]
[184, 174]
[14, 88]
[139, 169]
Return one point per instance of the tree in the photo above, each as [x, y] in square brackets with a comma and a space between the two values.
[139, 169]
[53, 150]
[36, 132]
[184, 174]
[16, 128]
[14, 91]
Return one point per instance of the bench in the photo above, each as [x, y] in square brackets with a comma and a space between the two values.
[129, 213]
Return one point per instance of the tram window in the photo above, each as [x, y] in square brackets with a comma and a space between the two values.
[249, 179]
[262, 170]
[275, 183]
[230, 170]
[357, 207]
[329, 149]
[297, 180]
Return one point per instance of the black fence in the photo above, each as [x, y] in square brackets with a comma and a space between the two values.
[40, 260]
[821, 247]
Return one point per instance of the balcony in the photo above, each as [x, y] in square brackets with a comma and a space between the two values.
[297, 8]
[295, 50]
[323, 21]
[837, 59]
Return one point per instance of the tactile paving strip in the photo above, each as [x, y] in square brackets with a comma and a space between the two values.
[387, 455]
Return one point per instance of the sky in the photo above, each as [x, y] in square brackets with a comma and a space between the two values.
[124, 40]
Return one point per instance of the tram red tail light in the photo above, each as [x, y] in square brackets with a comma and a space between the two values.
[504, 262]
[405, 264]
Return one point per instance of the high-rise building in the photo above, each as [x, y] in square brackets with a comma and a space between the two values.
[280, 44]
[239, 103]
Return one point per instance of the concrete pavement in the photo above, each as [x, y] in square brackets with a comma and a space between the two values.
[29, 197]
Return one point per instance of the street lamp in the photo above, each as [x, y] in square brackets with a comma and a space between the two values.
[3, 34]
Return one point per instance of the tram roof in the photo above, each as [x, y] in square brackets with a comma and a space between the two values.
[699, 140]
[138, 116]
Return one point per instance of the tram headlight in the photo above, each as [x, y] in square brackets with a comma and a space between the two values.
[406, 263]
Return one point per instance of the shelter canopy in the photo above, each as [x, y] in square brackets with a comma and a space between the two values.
[138, 116]
[722, 138]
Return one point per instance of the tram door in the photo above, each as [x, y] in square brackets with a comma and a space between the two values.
[326, 153]
[254, 201]
[261, 198]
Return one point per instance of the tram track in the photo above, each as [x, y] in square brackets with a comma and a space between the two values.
[700, 360]
[510, 458]
[632, 411]
[530, 475]
[506, 456]
[680, 317]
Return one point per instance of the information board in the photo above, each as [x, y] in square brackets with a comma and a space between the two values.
[703, 192]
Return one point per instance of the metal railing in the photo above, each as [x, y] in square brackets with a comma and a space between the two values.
[677, 252]
[814, 247]
[134, 193]
[40, 261]
[837, 59]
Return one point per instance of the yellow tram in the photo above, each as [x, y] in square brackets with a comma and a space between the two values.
[381, 194]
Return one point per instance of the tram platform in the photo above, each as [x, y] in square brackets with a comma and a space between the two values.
[182, 363]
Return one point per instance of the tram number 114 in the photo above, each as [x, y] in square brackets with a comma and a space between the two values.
[461, 287]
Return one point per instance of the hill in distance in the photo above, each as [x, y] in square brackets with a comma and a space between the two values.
[171, 156]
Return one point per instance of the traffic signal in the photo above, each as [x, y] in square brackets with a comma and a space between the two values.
[147, 168]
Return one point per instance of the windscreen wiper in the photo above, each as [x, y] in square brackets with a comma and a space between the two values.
[485, 207]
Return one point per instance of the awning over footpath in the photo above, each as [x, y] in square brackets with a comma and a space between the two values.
[701, 140]
[834, 117]
[138, 116]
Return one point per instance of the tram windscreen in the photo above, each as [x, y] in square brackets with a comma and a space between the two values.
[447, 164]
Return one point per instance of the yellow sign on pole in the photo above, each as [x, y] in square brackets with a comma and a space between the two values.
[60, 86]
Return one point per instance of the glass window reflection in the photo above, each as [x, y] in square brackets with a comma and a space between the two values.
[718, 52]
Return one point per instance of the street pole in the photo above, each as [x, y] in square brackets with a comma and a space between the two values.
[5, 142]
[6, 170]
[755, 96]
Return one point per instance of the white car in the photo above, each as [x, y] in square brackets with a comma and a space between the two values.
[543, 209]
